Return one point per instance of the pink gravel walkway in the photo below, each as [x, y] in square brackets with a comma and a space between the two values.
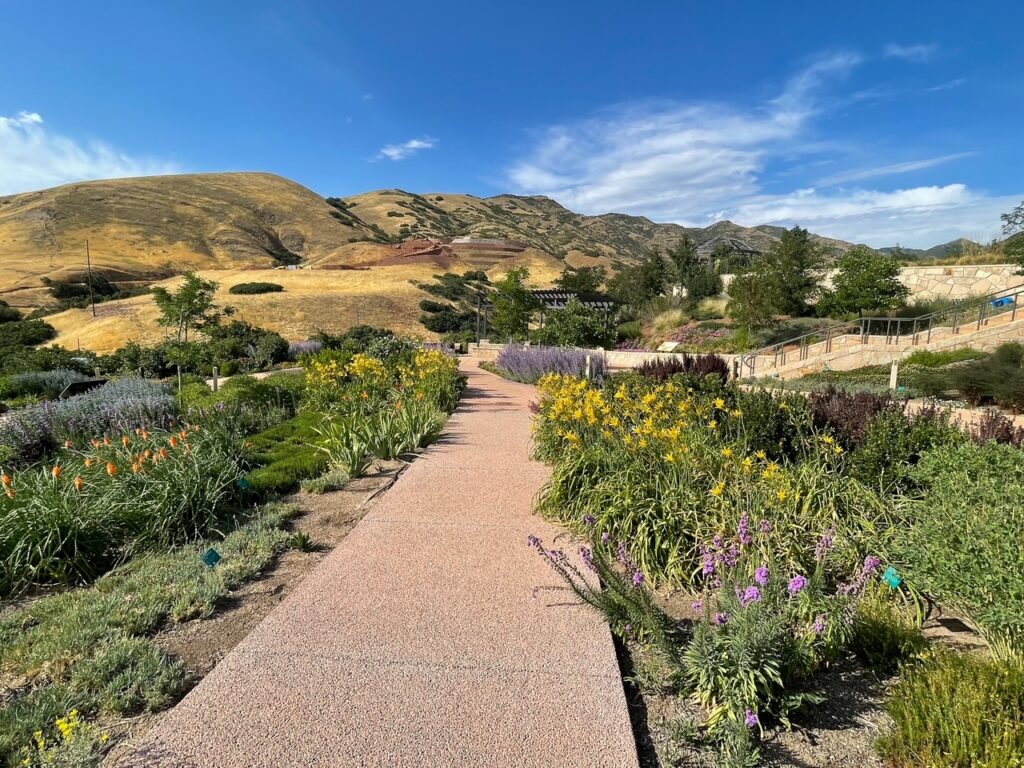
[418, 641]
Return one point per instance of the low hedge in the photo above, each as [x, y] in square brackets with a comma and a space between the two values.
[253, 288]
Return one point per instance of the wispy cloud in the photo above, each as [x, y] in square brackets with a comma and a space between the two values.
[407, 149]
[861, 174]
[697, 162]
[671, 160]
[34, 157]
[948, 85]
[919, 53]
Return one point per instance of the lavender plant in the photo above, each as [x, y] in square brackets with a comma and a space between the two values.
[530, 364]
[119, 406]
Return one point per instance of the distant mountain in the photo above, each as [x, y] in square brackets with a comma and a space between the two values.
[546, 225]
[957, 247]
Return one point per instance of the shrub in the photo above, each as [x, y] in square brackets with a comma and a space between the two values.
[963, 538]
[938, 359]
[244, 289]
[894, 442]
[529, 364]
[848, 415]
[17, 334]
[690, 365]
[44, 384]
[998, 427]
[299, 349]
[117, 407]
[883, 634]
[777, 425]
[956, 709]
[331, 480]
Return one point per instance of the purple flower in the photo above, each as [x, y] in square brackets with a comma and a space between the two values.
[819, 623]
[797, 584]
[765, 526]
[721, 618]
[589, 519]
[623, 557]
[824, 545]
[871, 564]
[588, 558]
[750, 718]
[744, 530]
[698, 606]
[638, 579]
[709, 565]
[628, 629]
[532, 540]
[605, 536]
[761, 575]
[751, 595]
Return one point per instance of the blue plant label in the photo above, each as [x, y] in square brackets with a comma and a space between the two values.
[243, 483]
[211, 557]
[892, 577]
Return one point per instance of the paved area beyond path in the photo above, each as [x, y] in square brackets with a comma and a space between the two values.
[419, 640]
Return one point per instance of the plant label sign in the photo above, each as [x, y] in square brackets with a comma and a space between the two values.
[211, 557]
[892, 577]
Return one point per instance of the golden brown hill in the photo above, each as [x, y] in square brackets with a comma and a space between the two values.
[358, 254]
[155, 227]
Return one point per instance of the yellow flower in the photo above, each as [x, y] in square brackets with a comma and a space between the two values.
[828, 439]
[718, 490]
[713, 424]
[670, 458]
[782, 494]
[735, 413]
[748, 463]
[761, 455]
[727, 452]
[839, 450]
[719, 403]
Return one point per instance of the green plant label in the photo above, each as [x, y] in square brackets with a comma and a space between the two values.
[892, 577]
[243, 483]
[211, 557]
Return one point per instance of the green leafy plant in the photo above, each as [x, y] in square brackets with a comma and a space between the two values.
[962, 537]
[956, 709]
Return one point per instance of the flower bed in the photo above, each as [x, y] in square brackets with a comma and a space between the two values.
[530, 364]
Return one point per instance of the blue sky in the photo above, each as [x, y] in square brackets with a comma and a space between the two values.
[874, 122]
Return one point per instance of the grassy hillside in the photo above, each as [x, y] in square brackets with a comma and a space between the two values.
[315, 299]
[543, 224]
[151, 228]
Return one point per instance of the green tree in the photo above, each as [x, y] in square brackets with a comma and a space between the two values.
[790, 271]
[575, 326]
[583, 279]
[639, 283]
[1013, 227]
[191, 306]
[514, 305]
[698, 279]
[750, 305]
[867, 281]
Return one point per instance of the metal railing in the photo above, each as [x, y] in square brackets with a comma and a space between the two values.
[977, 312]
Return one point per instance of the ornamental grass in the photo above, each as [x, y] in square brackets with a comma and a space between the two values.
[97, 503]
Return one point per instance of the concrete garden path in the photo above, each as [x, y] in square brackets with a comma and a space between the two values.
[418, 641]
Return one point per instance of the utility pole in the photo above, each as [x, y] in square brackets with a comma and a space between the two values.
[88, 264]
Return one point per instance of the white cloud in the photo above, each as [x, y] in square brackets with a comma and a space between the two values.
[917, 53]
[890, 170]
[409, 148]
[34, 157]
[695, 163]
[917, 217]
[946, 86]
[671, 160]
